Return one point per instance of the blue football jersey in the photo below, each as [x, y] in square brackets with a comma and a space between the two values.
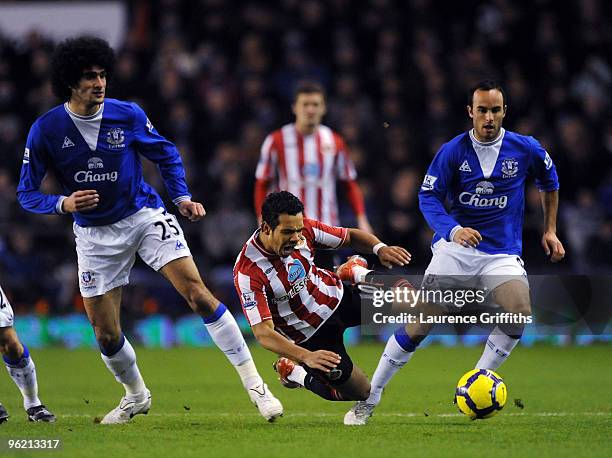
[485, 185]
[99, 152]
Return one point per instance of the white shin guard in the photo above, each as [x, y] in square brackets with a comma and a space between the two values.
[23, 373]
[392, 360]
[123, 366]
[497, 349]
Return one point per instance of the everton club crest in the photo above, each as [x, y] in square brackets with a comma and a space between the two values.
[115, 138]
[509, 167]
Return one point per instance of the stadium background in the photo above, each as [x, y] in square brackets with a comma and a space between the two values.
[215, 76]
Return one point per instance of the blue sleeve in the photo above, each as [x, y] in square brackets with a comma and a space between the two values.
[33, 170]
[543, 168]
[157, 149]
[433, 194]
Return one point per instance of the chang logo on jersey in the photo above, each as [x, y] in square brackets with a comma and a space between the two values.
[88, 176]
[295, 271]
[95, 163]
[477, 199]
[484, 187]
[115, 138]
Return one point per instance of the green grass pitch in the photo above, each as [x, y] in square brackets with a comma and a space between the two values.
[200, 409]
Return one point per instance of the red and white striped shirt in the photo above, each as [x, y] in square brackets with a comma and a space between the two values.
[308, 166]
[298, 296]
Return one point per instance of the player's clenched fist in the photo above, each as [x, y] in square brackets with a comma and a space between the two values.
[322, 359]
[192, 210]
[466, 236]
[80, 201]
[553, 247]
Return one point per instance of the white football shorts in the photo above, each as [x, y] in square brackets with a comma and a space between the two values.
[106, 254]
[6, 311]
[467, 264]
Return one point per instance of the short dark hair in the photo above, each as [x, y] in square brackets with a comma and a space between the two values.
[308, 87]
[486, 85]
[73, 56]
[278, 203]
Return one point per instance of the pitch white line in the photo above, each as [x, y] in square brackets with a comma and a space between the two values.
[329, 414]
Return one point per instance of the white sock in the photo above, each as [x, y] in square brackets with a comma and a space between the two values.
[226, 334]
[392, 360]
[297, 375]
[23, 373]
[496, 351]
[123, 366]
[249, 375]
[359, 273]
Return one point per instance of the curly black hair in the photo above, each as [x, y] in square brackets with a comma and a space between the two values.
[73, 56]
[278, 203]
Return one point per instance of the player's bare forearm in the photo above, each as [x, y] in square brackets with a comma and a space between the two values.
[365, 242]
[550, 207]
[360, 241]
[271, 340]
[550, 242]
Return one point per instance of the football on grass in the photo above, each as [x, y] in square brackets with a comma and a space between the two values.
[480, 394]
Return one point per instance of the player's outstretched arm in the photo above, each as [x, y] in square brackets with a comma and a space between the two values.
[366, 243]
[268, 338]
[550, 242]
[192, 210]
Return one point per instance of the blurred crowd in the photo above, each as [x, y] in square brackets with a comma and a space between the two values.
[215, 76]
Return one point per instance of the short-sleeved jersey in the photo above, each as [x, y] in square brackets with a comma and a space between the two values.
[307, 166]
[485, 184]
[293, 292]
[99, 152]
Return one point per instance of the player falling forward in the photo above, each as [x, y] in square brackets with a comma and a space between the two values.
[482, 172]
[20, 366]
[92, 144]
[298, 310]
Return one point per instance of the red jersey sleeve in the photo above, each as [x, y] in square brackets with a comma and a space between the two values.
[267, 160]
[252, 294]
[323, 236]
[265, 172]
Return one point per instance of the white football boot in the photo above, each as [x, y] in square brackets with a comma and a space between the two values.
[269, 407]
[127, 408]
[359, 414]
